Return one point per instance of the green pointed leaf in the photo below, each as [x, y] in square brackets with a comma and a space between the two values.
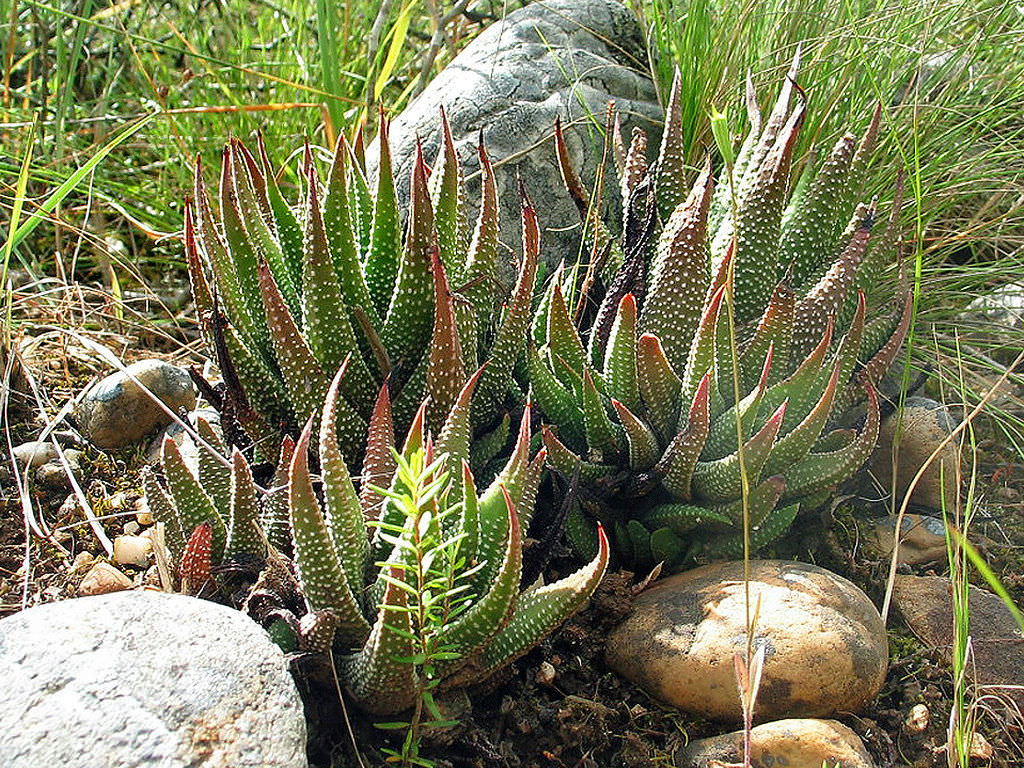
[620, 365]
[644, 450]
[410, 314]
[340, 230]
[446, 198]
[819, 471]
[244, 537]
[161, 506]
[319, 570]
[446, 373]
[491, 611]
[274, 515]
[601, 434]
[344, 517]
[326, 323]
[386, 234]
[773, 527]
[813, 221]
[562, 338]
[194, 505]
[510, 340]
[683, 518]
[214, 477]
[672, 156]
[825, 299]
[303, 376]
[285, 222]
[377, 679]
[378, 461]
[719, 481]
[677, 465]
[540, 611]
[455, 438]
[680, 275]
[557, 403]
[659, 386]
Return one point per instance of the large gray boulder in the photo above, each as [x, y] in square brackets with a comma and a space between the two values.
[145, 679]
[552, 59]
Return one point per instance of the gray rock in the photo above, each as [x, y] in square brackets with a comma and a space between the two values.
[825, 644]
[117, 412]
[796, 742]
[145, 679]
[553, 58]
[925, 424]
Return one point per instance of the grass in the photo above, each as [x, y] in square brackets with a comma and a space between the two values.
[75, 75]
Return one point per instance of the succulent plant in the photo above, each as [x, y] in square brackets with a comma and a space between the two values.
[350, 553]
[641, 395]
[295, 293]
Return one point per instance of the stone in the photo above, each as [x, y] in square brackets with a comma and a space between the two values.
[116, 412]
[925, 424]
[102, 579]
[551, 59]
[53, 475]
[997, 643]
[917, 720]
[133, 550]
[145, 678]
[922, 539]
[796, 742]
[34, 453]
[825, 645]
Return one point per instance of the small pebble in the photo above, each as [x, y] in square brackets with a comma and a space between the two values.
[980, 748]
[81, 562]
[132, 550]
[917, 719]
[545, 673]
[132, 528]
[102, 579]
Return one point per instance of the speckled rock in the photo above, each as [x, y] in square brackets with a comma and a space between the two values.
[795, 743]
[145, 679]
[997, 643]
[551, 59]
[116, 412]
[925, 424]
[53, 475]
[922, 539]
[825, 645]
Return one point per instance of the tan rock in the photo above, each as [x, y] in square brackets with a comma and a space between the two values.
[925, 424]
[791, 743]
[102, 579]
[133, 550]
[826, 648]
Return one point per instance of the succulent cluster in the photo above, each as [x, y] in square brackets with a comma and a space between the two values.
[735, 314]
[351, 547]
[297, 292]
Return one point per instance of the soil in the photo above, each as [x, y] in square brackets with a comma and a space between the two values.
[583, 716]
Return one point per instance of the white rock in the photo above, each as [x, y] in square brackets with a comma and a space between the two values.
[145, 679]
